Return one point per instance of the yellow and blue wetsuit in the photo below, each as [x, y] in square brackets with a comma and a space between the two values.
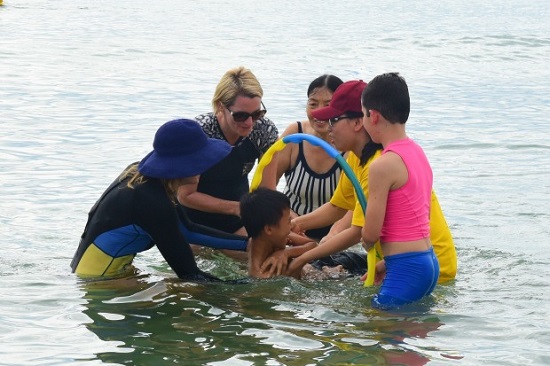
[126, 221]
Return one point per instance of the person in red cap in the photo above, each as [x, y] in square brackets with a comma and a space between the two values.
[139, 211]
[345, 118]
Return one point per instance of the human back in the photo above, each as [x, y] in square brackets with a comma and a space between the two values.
[349, 135]
[400, 185]
[408, 206]
[137, 211]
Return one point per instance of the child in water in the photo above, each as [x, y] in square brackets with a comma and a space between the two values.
[400, 186]
[266, 216]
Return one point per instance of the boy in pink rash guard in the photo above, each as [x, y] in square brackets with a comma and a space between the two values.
[408, 207]
[400, 185]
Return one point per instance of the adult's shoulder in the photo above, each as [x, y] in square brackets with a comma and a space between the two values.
[266, 123]
[206, 118]
[266, 128]
[151, 195]
[264, 134]
[291, 129]
[209, 124]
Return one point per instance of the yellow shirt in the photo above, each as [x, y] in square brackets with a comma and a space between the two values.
[440, 235]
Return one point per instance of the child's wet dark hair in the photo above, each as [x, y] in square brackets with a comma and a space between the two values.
[262, 207]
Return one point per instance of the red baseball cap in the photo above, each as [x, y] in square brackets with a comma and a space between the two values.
[346, 98]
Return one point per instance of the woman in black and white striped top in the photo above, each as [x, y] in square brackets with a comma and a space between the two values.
[311, 174]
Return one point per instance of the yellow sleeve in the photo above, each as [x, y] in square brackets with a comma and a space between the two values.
[362, 174]
[442, 241]
[344, 194]
[440, 234]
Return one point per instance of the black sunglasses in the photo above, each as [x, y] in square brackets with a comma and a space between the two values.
[243, 116]
[334, 120]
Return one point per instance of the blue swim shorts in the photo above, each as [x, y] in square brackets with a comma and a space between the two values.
[409, 277]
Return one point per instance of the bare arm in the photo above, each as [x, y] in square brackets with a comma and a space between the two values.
[277, 263]
[337, 243]
[295, 239]
[339, 226]
[325, 215]
[270, 176]
[296, 251]
[296, 271]
[380, 182]
[380, 273]
[189, 197]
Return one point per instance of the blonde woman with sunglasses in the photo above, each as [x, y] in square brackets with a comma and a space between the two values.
[238, 117]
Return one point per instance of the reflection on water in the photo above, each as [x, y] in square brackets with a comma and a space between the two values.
[83, 88]
[285, 320]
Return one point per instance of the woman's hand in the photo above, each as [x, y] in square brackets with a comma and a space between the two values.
[295, 227]
[295, 267]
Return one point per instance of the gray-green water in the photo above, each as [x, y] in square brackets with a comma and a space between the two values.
[84, 86]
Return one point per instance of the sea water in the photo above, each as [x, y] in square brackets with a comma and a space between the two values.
[84, 86]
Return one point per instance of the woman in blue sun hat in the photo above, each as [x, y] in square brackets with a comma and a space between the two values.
[139, 211]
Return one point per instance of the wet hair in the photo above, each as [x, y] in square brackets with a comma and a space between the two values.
[262, 207]
[388, 94]
[239, 81]
[330, 82]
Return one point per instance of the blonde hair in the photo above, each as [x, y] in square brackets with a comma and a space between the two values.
[170, 185]
[239, 81]
[136, 178]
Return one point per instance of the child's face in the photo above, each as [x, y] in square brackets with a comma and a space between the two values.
[282, 230]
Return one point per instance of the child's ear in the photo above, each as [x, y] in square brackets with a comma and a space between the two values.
[358, 124]
[374, 116]
[268, 230]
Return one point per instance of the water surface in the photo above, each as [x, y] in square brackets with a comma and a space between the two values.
[84, 86]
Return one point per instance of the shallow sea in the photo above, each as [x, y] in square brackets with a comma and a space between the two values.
[84, 86]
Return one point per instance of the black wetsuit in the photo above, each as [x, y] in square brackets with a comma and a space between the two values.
[126, 221]
[353, 262]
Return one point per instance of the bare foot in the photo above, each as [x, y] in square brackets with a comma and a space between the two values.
[335, 272]
[311, 273]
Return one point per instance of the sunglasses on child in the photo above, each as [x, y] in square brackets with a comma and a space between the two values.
[334, 120]
[243, 116]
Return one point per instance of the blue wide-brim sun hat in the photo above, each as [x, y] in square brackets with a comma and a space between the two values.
[181, 149]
